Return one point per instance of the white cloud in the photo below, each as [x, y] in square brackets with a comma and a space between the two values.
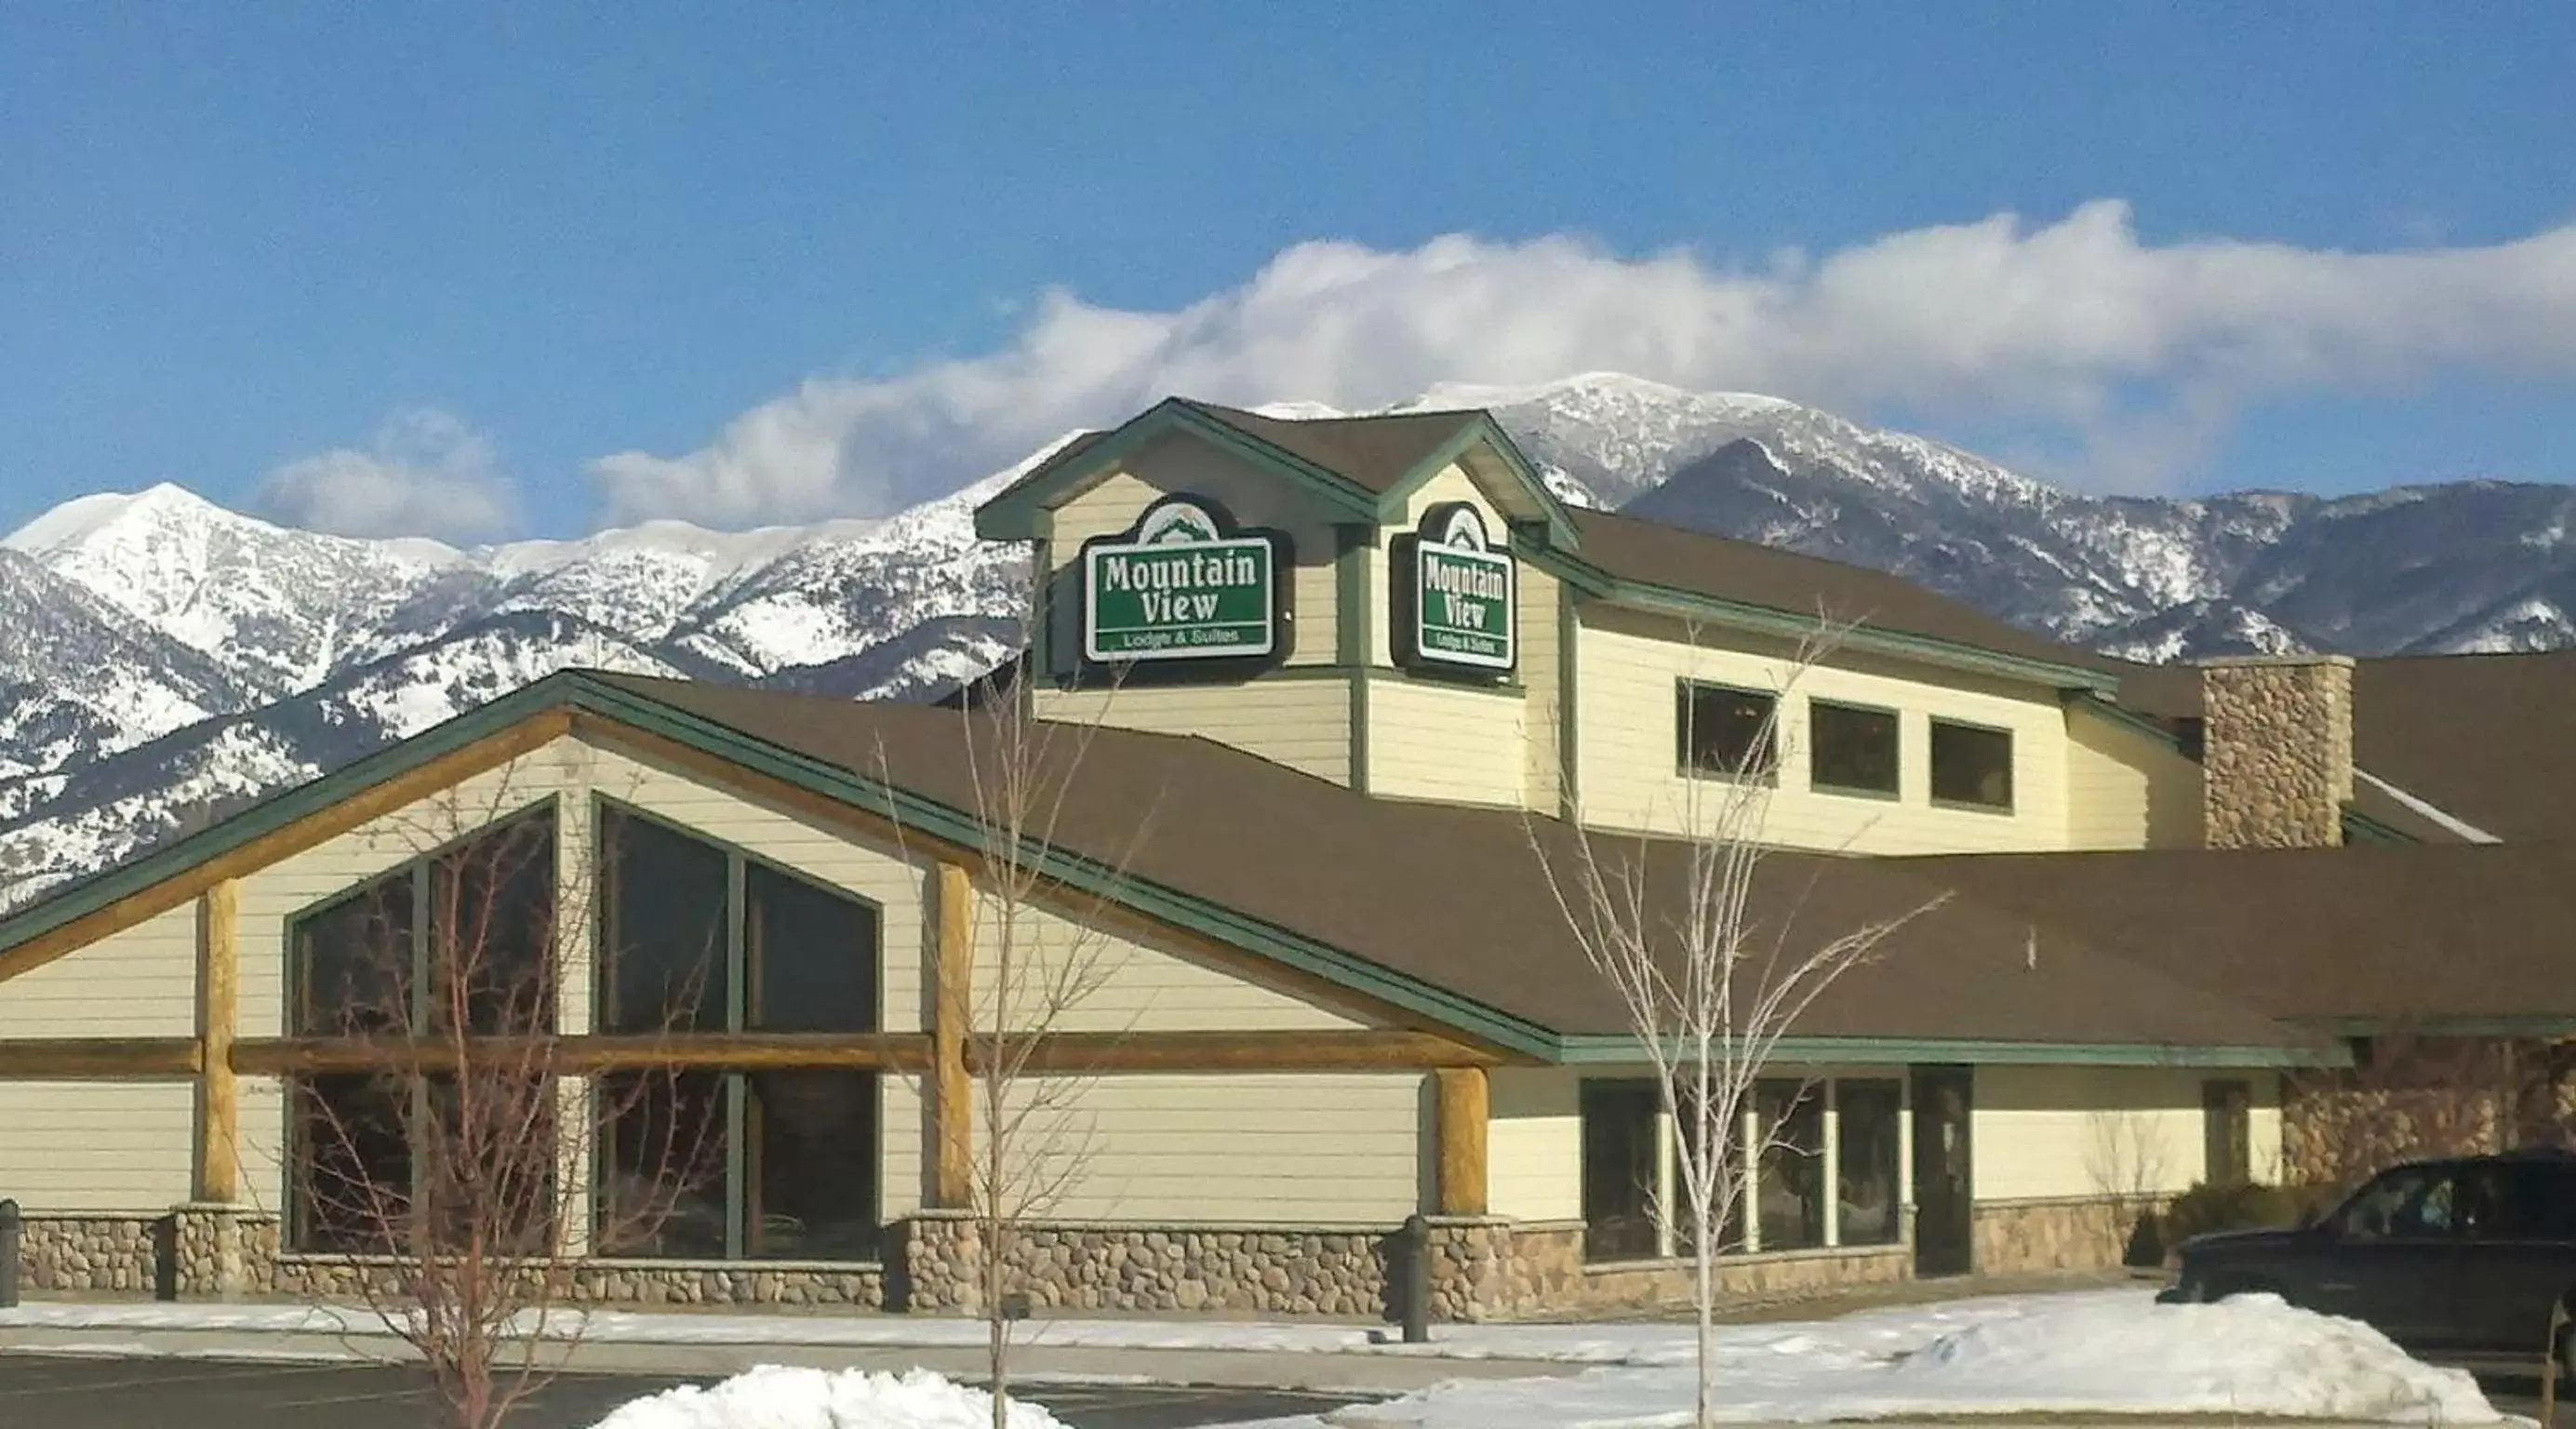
[426, 474]
[2143, 355]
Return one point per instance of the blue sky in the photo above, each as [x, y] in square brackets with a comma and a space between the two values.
[494, 271]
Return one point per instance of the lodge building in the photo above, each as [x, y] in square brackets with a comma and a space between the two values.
[1346, 683]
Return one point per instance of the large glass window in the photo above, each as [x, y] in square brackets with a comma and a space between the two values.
[466, 931]
[1620, 1130]
[770, 1165]
[1850, 749]
[1724, 731]
[663, 943]
[353, 1162]
[1789, 1184]
[1869, 1119]
[1972, 765]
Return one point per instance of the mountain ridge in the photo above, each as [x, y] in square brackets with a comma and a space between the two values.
[162, 657]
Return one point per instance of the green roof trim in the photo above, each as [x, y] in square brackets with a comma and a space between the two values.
[1021, 511]
[2094, 702]
[2359, 827]
[1770, 620]
[1879, 1051]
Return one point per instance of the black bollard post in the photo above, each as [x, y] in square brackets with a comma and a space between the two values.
[1417, 1280]
[12, 1227]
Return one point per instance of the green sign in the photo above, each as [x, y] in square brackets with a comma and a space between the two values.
[1183, 584]
[1456, 603]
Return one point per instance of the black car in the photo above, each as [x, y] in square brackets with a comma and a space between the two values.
[2456, 1259]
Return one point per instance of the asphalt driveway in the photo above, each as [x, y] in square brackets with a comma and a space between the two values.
[100, 1393]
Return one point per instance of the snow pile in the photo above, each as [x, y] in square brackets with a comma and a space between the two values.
[2111, 1353]
[773, 1397]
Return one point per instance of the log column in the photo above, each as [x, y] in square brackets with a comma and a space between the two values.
[218, 1158]
[1463, 1113]
[952, 1105]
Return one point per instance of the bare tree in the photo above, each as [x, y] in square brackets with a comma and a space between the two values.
[1705, 954]
[445, 1141]
[2125, 1158]
[1037, 953]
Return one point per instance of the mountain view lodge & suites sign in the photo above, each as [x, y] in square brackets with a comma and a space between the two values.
[1184, 583]
[1456, 596]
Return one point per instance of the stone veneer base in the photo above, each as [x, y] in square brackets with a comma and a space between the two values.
[1481, 1269]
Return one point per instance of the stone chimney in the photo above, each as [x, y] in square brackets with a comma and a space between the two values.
[2276, 750]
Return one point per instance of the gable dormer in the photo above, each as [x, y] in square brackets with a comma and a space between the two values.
[1344, 595]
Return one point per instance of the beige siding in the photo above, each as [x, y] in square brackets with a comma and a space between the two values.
[138, 983]
[1631, 664]
[1314, 1149]
[95, 1146]
[1534, 1144]
[1458, 744]
[1123, 984]
[1541, 674]
[1302, 722]
[2057, 1132]
[1185, 464]
[2126, 788]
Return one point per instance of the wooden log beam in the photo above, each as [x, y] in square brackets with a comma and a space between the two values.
[218, 1162]
[1351, 1050]
[98, 1059]
[1062, 1053]
[952, 1103]
[572, 1056]
[1463, 1112]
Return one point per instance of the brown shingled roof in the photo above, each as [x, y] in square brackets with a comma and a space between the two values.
[1375, 452]
[1447, 895]
[2313, 934]
[1750, 573]
[2485, 738]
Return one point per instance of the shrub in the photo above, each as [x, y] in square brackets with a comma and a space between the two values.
[2240, 1206]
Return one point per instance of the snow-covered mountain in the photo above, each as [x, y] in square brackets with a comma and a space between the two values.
[162, 658]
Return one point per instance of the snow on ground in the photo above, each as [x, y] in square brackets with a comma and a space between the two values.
[2092, 1352]
[772, 1397]
[2112, 1353]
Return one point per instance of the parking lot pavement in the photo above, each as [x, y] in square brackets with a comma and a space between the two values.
[2520, 1395]
[101, 1393]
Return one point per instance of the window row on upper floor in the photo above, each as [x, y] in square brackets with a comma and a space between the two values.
[1729, 732]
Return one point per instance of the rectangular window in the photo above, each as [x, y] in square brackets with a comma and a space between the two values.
[1850, 749]
[703, 938]
[812, 1138]
[1869, 1117]
[2227, 1133]
[1727, 1195]
[663, 1148]
[1724, 731]
[1619, 1174]
[353, 1180]
[1972, 765]
[1788, 1187]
